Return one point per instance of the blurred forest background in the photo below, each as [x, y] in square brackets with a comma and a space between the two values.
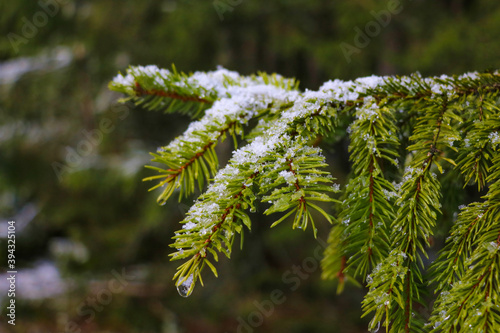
[92, 244]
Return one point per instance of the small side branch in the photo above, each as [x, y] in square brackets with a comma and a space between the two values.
[169, 94]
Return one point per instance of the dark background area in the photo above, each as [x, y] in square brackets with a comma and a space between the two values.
[83, 214]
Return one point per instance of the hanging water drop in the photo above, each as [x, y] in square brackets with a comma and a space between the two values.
[376, 330]
[252, 210]
[185, 288]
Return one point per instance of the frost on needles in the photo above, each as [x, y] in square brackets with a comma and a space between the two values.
[407, 136]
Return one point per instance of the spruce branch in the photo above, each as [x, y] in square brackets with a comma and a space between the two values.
[366, 211]
[162, 89]
[296, 181]
[468, 279]
[472, 301]
[424, 126]
[217, 209]
[191, 158]
[172, 91]
[210, 227]
[334, 262]
[450, 266]
[419, 197]
[475, 160]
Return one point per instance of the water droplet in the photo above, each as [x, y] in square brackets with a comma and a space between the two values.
[186, 288]
[252, 210]
[376, 330]
[163, 203]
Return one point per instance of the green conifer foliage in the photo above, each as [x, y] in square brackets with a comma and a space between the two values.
[405, 134]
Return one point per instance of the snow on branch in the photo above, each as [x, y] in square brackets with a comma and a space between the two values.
[406, 134]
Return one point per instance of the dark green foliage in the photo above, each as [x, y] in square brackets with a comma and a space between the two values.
[405, 134]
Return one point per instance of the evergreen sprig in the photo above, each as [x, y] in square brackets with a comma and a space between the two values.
[161, 89]
[362, 236]
[405, 133]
